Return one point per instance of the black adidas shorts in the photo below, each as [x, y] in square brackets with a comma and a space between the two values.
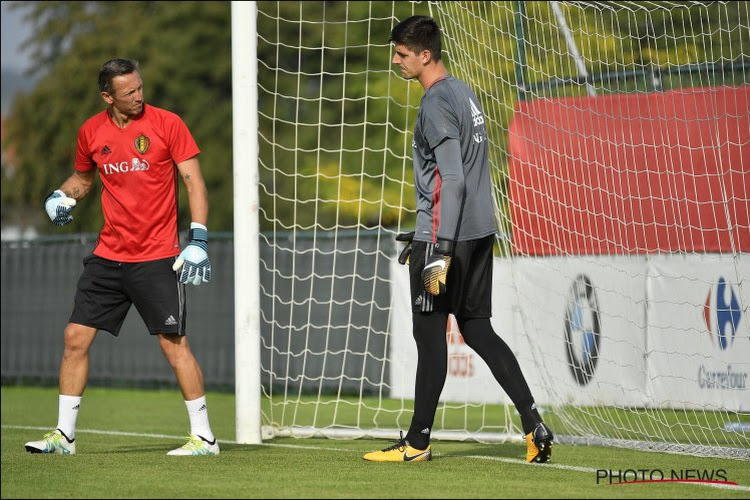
[469, 282]
[106, 289]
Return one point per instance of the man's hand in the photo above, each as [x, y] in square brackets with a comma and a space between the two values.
[403, 257]
[58, 207]
[196, 268]
[435, 272]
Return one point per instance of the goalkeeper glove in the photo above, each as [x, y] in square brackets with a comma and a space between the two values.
[58, 207]
[436, 267]
[193, 260]
[403, 258]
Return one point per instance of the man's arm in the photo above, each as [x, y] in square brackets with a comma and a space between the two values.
[452, 189]
[78, 185]
[61, 202]
[452, 193]
[190, 170]
[193, 260]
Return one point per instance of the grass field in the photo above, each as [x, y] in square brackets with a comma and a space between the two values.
[123, 436]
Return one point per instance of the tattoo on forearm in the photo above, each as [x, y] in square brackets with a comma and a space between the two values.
[186, 177]
[75, 193]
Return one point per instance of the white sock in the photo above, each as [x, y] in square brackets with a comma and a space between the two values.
[67, 413]
[198, 413]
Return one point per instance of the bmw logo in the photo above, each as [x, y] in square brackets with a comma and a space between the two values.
[582, 329]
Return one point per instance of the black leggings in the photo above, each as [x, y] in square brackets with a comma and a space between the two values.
[432, 363]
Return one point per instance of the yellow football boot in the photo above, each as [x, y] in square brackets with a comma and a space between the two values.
[539, 444]
[400, 452]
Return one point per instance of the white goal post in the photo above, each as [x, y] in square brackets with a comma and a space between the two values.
[620, 157]
[245, 175]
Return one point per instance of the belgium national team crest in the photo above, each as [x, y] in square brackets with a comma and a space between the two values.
[142, 143]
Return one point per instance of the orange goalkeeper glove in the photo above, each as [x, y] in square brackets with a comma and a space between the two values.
[435, 272]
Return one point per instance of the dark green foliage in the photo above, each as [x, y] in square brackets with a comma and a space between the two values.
[185, 57]
[335, 119]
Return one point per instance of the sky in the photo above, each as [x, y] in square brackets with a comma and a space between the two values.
[14, 61]
[14, 31]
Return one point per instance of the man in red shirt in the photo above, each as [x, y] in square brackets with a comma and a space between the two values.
[138, 150]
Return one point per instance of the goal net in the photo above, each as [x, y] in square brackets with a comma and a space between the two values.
[620, 156]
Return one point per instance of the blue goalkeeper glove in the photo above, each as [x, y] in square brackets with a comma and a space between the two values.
[435, 272]
[196, 268]
[58, 207]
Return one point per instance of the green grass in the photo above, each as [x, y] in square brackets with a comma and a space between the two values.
[111, 465]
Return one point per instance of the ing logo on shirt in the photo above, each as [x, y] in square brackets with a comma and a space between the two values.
[135, 165]
[142, 143]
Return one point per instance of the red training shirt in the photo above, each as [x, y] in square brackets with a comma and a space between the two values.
[138, 169]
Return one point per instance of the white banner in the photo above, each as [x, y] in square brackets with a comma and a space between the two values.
[401, 346]
[699, 332]
[602, 330]
[582, 320]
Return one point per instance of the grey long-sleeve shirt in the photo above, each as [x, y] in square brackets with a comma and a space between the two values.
[451, 170]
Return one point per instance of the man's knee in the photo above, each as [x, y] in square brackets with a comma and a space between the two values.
[474, 329]
[174, 346]
[78, 339]
[429, 329]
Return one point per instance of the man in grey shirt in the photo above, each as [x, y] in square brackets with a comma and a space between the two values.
[450, 251]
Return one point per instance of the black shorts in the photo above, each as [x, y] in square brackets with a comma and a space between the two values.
[469, 281]
[106, 289]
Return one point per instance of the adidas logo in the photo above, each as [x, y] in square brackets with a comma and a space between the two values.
[203, 407]
[76, 407]
[426, 430]
[170, 321]
[106, 150]
[476, 115]
[418, 302]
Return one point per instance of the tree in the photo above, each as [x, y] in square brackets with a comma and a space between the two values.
[334, 118]
[184, 50]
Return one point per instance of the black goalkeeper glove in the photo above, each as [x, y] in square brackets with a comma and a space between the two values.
[403, 258]
[436, 267]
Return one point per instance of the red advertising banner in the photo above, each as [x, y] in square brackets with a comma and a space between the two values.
[632, 173]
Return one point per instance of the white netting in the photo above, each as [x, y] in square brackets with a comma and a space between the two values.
[619, 153]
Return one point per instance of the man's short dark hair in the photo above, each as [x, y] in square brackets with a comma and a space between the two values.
[418, 33]
[113, 68]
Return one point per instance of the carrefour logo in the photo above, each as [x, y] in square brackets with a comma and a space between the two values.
[722, 314]
[582, 329]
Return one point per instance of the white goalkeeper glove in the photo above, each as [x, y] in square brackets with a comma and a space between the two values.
[435, 272]
[58, 207]
[196, 268]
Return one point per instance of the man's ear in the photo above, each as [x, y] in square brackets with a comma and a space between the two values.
[107, 98]
[425, 56]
